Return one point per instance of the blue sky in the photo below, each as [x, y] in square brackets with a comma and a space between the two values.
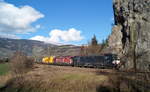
[87, 16]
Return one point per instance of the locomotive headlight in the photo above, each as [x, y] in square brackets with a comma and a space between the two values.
[116, 62]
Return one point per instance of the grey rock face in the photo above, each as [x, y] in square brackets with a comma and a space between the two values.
[114, 41]
[134, 18]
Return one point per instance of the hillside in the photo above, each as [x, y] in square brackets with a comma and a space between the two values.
[34, 48]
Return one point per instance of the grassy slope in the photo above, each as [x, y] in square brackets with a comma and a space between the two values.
[4, 75]
[4, 68]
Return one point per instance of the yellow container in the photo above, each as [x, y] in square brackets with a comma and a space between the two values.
[45, 60]
[51, 59]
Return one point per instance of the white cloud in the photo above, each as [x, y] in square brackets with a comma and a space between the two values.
[57, 36]
[11, 36]
[40, 38]
[18, 20]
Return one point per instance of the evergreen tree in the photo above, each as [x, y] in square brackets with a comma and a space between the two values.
[93, 47]
[94, 41]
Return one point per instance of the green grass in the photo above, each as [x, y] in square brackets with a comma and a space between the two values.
[4, 68]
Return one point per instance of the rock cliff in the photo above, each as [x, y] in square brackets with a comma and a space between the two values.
[131, 32]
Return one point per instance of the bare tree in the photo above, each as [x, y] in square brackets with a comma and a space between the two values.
[20, 63]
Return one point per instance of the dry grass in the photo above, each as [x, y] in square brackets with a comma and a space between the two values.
[66, 79]
[48, 78]
[4, 79]
[58, 79]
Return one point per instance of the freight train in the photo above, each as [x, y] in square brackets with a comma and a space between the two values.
[101, 61]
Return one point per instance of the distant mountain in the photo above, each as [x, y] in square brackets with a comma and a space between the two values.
[35, 48]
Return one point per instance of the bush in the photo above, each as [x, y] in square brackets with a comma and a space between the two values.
[20, 63]
[4, 60]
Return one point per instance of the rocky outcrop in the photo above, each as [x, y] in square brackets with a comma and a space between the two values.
[132, 18]
[114, 41]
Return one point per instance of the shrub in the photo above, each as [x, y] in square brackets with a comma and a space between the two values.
[20, 63]
[4, 60]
